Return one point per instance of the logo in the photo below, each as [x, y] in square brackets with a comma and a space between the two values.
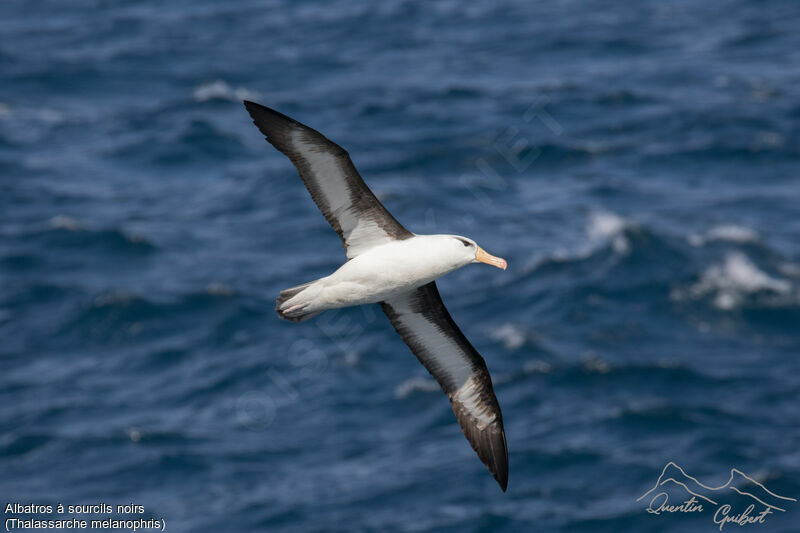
[741, 500]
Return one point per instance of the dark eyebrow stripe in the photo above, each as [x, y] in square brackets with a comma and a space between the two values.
[466, 242]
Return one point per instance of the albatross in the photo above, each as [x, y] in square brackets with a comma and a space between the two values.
[389, 265]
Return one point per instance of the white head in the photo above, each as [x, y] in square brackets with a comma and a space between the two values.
[461, 251]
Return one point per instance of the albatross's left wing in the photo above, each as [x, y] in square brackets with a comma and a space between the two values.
[422, 320]
[333, 181]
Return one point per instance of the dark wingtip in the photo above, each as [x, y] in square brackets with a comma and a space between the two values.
[251, 105]
[274, 125]
[488, 442]
[500, 470]
[261, 113]
[256, 110]
[502, 480]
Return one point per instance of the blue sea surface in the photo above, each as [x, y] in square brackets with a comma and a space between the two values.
[637, 164]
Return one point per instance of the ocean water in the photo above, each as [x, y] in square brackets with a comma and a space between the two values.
[635, 162]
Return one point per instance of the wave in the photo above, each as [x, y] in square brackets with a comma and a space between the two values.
[621, 259]
[665, 416]
[65, 222]
[193, 141]
[21, 262]
[736, 282]
[511, 335]
[607, 225]
[603, 228]
[222, 90]
[415, 384]
[122, 316]
[726, 232]
[612, 242]
[593, 368]
[172, 132]
[64, 231]
[770, 146]
[537, 366]
[23, 443]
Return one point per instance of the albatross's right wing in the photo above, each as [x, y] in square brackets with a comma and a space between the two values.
[422, 320]
[333, 181]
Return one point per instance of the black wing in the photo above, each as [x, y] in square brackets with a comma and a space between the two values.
[333, 181]
[423, 322]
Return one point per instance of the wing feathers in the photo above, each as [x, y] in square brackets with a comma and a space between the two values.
[328, 173]
[427, 328]
[479, 415]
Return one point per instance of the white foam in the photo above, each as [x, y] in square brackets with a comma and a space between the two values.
[222, 90]
[134, 434]
[738, 271]
[537, 366]
[65, 222]
[725, 232]
[733, 279]
[769, 139]
[592, 364]
[415, 384]
[607, 226]
[511, 336]
[603, 228]
[603, 225]
[351, 358]
[621, 244]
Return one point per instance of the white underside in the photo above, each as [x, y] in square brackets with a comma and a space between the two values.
[378, 274]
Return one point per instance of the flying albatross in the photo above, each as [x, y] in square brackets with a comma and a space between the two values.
[388, 264]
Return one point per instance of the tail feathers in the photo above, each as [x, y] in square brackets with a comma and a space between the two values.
[294, 312]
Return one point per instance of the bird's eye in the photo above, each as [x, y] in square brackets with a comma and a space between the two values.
[464, 242]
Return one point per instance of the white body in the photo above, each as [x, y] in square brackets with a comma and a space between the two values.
[382, 272]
